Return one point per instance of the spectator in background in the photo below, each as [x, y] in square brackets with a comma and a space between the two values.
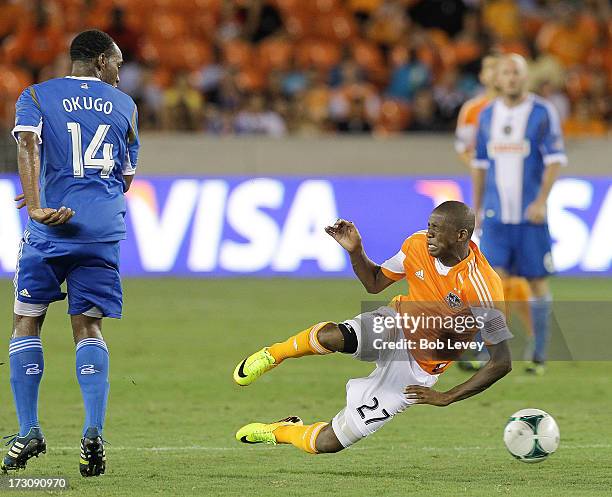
[182, 106]
[127, 38]
[584, 121]
[568, 39]
[353, 87]
[355, 120]
[425, 114]
[263, 20]
[408, 76]
[37, 41]
[387, 24]
[448, 96]
[256, 120]
[502, 19]
[559, 100]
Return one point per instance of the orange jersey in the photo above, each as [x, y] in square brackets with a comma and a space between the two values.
[469, 289]
[467, 123]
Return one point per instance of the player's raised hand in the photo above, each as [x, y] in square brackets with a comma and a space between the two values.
[425, 395]
[346, 234]
[51, 217]
[20, 199]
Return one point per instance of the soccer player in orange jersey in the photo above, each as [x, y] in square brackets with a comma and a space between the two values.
[449, 281]
[467, 122]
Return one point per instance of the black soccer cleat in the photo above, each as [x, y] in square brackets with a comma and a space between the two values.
[93, 456]
[22, 449]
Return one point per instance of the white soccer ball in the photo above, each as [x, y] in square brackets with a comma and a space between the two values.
[531, 435]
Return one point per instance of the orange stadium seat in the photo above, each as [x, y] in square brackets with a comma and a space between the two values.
[251, 79]
[299, 26]
[275, 53]
[325, 7]
[238, 53]
[167, 27]
[336, 25]
[203, 24]
[320, 54]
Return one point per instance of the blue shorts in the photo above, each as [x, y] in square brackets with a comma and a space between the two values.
[520, 249]
[91, 272]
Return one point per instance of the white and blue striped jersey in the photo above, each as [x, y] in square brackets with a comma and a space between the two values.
[515, 145]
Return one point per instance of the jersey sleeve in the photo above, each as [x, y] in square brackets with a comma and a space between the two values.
[393, 268]
[553, 148]
[486, 300]
[131, 157]
[465, 132]
[28, 114]
[481, 157]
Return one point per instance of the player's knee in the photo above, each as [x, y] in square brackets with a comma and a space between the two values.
[327, 442]
[330, 337]
[539, 287]
[338, 337]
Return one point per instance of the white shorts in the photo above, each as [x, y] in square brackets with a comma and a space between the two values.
[373, 401]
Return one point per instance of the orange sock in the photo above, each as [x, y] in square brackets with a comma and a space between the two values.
[517, 294]
[303, 437]
[304, 343]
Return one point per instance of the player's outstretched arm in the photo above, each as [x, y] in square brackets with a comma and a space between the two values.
[28, 162]
[368, 272]
[498, 366]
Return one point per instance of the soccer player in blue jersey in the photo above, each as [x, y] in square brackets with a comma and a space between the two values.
[77, 151]
[519, 152]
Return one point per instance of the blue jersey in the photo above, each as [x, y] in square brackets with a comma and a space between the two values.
[515, 144]
[88, 136]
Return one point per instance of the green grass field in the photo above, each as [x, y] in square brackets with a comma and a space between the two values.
[174, 409]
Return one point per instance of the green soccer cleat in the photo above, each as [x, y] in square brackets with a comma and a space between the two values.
[93, 455]
[22, 449]
[536, 369]
[255, 433]
[253, 367]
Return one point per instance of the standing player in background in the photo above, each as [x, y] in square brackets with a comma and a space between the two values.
[516, 289]
[77, 150]
[518, 155]
[467, 122]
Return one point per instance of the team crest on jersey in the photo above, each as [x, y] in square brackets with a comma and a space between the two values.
[453, 301]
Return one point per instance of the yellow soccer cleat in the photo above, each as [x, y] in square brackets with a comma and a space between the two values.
[253, 367]
[255, 433]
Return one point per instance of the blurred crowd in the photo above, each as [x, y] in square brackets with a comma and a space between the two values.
[307, 67]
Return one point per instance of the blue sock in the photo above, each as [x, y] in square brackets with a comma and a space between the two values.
[27, 365]
[92, 373]
[540, 315]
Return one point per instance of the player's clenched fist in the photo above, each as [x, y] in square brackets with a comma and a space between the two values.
[346, 234]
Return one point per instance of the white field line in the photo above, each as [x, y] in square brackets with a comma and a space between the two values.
[204, 448]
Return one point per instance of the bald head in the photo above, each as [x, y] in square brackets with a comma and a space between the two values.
[449, 230]
[458, 215]
[512, 76]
